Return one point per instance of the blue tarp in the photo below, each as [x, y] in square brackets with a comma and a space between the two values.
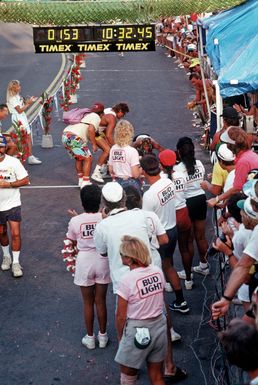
[232, 45]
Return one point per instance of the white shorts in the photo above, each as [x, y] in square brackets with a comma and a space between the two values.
[91, 268]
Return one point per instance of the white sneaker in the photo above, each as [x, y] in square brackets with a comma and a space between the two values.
[6, 264]
[174, 335]
[189, 285]
[198, 269]
[168, 287]
[85, 183]
[89, 341]
[17, 270]
[182, 275]
[103, 340]
[97, 177]
[80, 180]
[33, 160]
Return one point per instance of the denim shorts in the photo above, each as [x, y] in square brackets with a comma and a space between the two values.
[13, 215]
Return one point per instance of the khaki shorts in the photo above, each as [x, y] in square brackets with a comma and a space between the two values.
[131, 356]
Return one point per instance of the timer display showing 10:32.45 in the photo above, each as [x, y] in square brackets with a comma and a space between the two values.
[101, 33]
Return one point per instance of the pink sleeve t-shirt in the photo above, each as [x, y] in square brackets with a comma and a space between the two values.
[143, 289]
[81, 229]
[122, 159]
[245, 162]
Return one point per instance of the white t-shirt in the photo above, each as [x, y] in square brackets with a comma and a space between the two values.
[179, 181]
[13, 102]
[229, 181]
[81, 129]
[252, 245]
[122, 159]
[154, 228]
[81, 229]
[143, 289]
[160, 198]
[193, 187]
[240, 240]
[108, 235]
[11, 170]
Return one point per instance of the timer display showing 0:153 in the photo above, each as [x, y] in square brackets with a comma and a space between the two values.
[125, 33]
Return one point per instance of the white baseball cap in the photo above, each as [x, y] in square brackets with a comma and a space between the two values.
[249, 189]
[225, 154]
[245, 204]
[112, 192]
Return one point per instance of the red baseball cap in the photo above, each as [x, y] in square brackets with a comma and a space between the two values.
[97, 107]
[167, 157]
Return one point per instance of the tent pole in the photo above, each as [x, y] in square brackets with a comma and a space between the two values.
[200, 54]
[219, 104]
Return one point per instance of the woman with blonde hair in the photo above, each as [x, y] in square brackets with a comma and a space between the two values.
[140, 322]
[17, 106]
[124, 160]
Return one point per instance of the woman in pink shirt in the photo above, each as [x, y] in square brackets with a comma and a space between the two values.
[246, 160]
[124, 160]
[140, 322]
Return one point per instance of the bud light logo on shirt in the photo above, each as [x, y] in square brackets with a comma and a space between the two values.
[150, 285]
[179, 184]
[87, 230]
[118, 156]
[196, 176]
[166, 195]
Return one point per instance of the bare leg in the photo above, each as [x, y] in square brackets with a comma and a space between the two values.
[128, 375]
[103, 144]
[171, 273]
[101, 308]
[199, 235]
[88, 294]
[184, 238]
[170, 367]
[4, 240]
[79, 166]
[155, 373]
[87, 166]
[16, 235]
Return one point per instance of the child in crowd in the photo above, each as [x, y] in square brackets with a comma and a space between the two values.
[91, 269]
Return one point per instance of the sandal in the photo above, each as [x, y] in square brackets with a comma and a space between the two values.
[179, 375]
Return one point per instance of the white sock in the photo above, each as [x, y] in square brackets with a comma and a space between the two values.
[6, 251]
[203, 265]
[16, 256]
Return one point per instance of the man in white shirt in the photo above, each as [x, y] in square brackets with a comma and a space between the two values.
[75, 139]
[12, 176]
[160, 198]
[119, 222]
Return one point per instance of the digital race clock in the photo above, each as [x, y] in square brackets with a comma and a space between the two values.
[101, 38]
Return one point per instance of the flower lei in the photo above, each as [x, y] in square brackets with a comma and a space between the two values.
[46, 111]
[20, 137]
[69, 254]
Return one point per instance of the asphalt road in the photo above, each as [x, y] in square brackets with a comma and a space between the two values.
[41, 313]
